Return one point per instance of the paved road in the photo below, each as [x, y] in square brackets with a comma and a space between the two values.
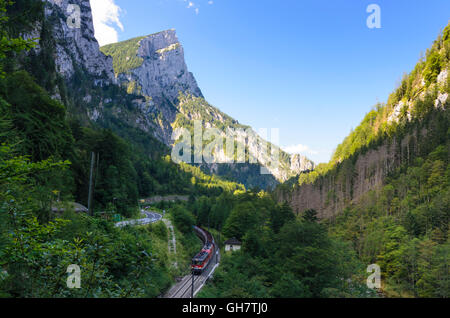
[183, 289]
[150, 217]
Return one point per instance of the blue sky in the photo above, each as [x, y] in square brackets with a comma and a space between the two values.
[310, 68]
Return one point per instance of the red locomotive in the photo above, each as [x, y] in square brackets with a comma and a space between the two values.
[201, 261]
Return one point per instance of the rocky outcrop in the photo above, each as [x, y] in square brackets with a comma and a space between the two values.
[154, 76]
[300, 164]
[407, 106]
[76, 51]
[77, 46]
[163, 73]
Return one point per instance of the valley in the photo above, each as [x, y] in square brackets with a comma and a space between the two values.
[303, 230]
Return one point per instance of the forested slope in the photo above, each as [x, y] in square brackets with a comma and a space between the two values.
[45, 151]
[154, 67]
[386, 188]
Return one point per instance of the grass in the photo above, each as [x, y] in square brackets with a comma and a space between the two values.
[124, 54]
[187, 246]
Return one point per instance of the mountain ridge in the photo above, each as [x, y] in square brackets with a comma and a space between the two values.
[389, 135]
[162, 75]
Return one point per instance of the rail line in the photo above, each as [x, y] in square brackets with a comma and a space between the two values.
[185, 289]
[198, 278]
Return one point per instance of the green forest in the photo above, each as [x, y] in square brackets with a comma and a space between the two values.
[403, 225]
[282, 255]
[45, 157]
[46, 147]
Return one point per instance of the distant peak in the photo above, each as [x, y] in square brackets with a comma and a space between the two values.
[169, 31]
[162, 41]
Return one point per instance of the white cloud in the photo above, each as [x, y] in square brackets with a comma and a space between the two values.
[300, 149]
[210, 2]
[106, 16]
[192, 5]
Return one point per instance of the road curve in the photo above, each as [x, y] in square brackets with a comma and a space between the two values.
[150, 217]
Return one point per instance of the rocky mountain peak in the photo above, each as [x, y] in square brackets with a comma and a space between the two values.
[300, 163]
[154, 66]
[75, 45]
[153, 71]
[154, 43]
[155, 63]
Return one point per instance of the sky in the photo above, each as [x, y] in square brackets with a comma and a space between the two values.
[310, 68]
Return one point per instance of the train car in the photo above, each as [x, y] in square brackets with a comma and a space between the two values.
[201, 261]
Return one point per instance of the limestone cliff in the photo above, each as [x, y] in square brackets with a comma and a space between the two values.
[89, 88]
[163, 72]
[76, 46]
[154, 66]
[142, 83]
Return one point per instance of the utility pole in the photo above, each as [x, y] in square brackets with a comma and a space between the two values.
[217, 254]
[218, 242]
[192, 286]
[91, 186]
[218, 245]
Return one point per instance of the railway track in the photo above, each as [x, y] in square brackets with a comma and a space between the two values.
[185, 289]
[194, 283]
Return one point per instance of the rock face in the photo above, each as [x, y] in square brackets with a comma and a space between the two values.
[162, 93]
[300, 164]
[77, 46]
[163, 73]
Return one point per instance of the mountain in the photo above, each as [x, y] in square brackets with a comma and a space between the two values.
[154, 63]
[386, 190]
[382, 200]
[144, 84]
[391, 135]
[61, 100]
[154, 66]
[70, 56]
